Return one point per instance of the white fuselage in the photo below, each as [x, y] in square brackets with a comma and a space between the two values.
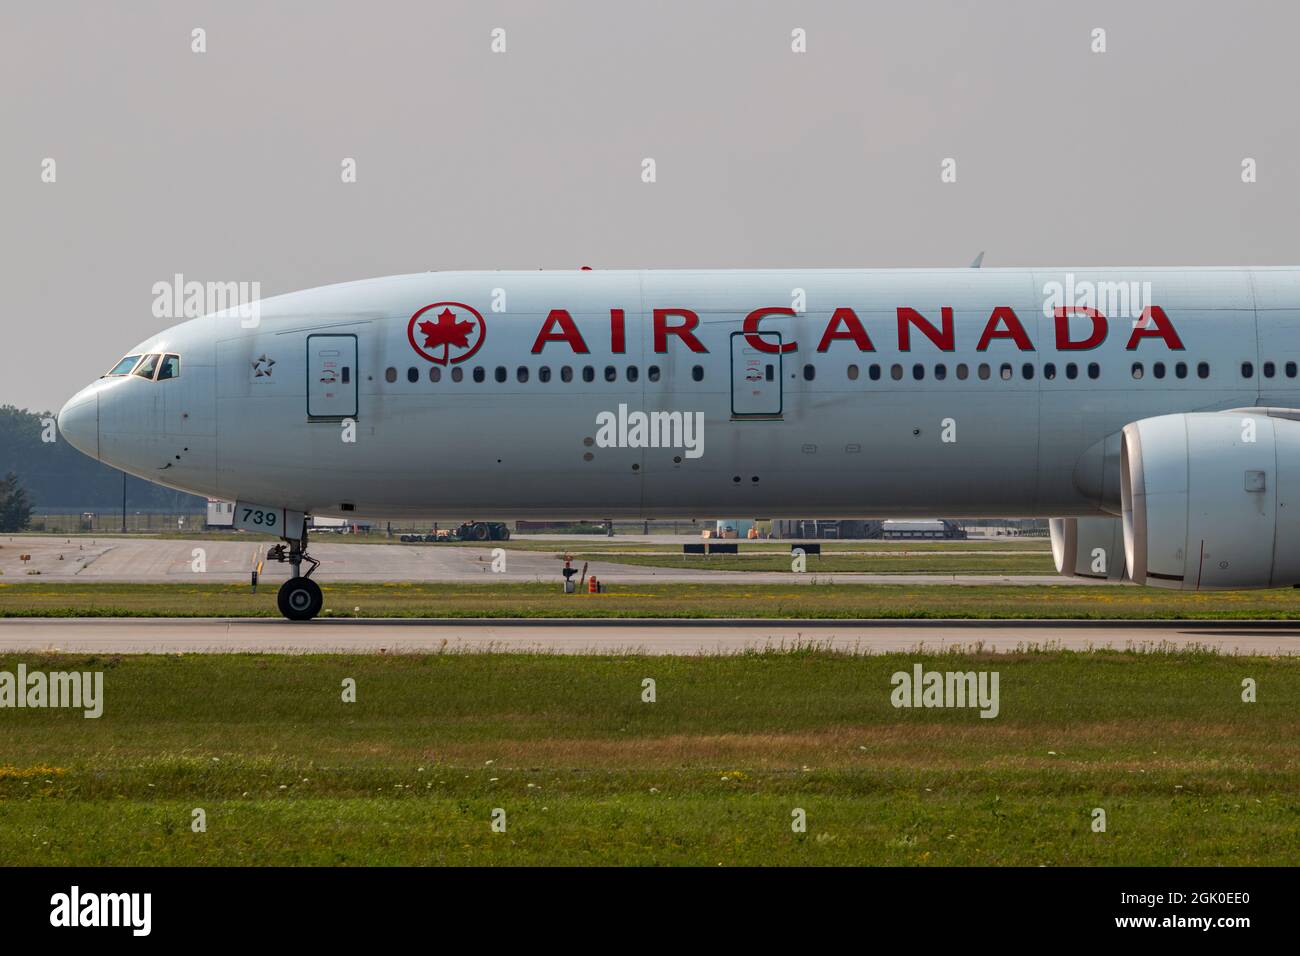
[900, 391]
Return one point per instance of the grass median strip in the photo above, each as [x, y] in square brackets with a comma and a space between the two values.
[681, 600]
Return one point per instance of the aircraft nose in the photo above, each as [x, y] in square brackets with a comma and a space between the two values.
[79, 423]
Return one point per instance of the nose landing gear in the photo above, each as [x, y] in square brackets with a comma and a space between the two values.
[300, 598]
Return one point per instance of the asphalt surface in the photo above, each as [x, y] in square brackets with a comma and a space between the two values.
[153, 560]
[186, 635]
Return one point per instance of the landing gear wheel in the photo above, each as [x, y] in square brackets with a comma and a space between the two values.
[300, 599]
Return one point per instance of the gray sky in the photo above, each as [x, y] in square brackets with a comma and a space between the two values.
[225, 166]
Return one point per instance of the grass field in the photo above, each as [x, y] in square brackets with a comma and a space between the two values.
[708, 774]
[685, 601]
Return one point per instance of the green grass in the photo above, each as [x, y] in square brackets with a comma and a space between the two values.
[685, 601]
[589, 774]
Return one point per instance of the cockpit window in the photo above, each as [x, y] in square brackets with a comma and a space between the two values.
[123, 367]
[148, 366]
[170, 368]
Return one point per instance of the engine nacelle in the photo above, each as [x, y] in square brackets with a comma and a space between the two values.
[1211, 501]
[1088, 547]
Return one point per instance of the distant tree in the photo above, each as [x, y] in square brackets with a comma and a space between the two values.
[15, 508]
[57, 477]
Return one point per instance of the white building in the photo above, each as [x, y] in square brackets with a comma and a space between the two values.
[221, 514]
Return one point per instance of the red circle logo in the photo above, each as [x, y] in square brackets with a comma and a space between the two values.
[446, 332]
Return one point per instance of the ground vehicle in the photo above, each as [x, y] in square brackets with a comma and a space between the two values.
[482, 531]
[467, 531]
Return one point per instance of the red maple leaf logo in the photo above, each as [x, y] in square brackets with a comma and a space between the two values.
[446, 331]
[451, 330]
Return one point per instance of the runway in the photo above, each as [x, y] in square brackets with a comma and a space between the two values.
[143, 560]
[188, 635]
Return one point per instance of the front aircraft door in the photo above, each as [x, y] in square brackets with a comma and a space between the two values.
[331, 376]
[755, 376]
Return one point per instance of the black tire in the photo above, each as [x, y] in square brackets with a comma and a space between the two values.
[505, 533]
[300, 599]
[480, 532]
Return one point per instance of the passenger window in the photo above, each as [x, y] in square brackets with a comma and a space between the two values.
[457, 374]
[633, 373]
[962, 371]
[1180, 370]
[1049, 371]
[985, 371]
[1071, 371]
[1202, 369]
[1027, 370]
[500, 373]
[412, 374]
[941, 371]
[544, 373]
[874, 373]
[1094, 370]
[896, 372]
[588, 373]
[1247, 370]
[697, 373]
[566, 373]
[390, 375]
[611, 373]
[1269, 370]
[1005, 372]
[480, 373]
[1290, 369]
[853, 373]
[918, 371]
[809, 373]
[148, 366]
[170, 368]
[1158, 370]
[521, 374]
[435, 373]
[1137, 370]
[652, 373]
[123, 367]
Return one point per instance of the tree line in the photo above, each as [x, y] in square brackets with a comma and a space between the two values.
[42, 475]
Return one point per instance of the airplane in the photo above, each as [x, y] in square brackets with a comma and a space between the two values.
[1152, 414]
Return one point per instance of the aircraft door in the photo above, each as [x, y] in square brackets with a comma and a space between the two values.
[331, 376]
[756, 379]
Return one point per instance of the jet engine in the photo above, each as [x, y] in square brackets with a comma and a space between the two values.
[1211, 501]
[1088, 547]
